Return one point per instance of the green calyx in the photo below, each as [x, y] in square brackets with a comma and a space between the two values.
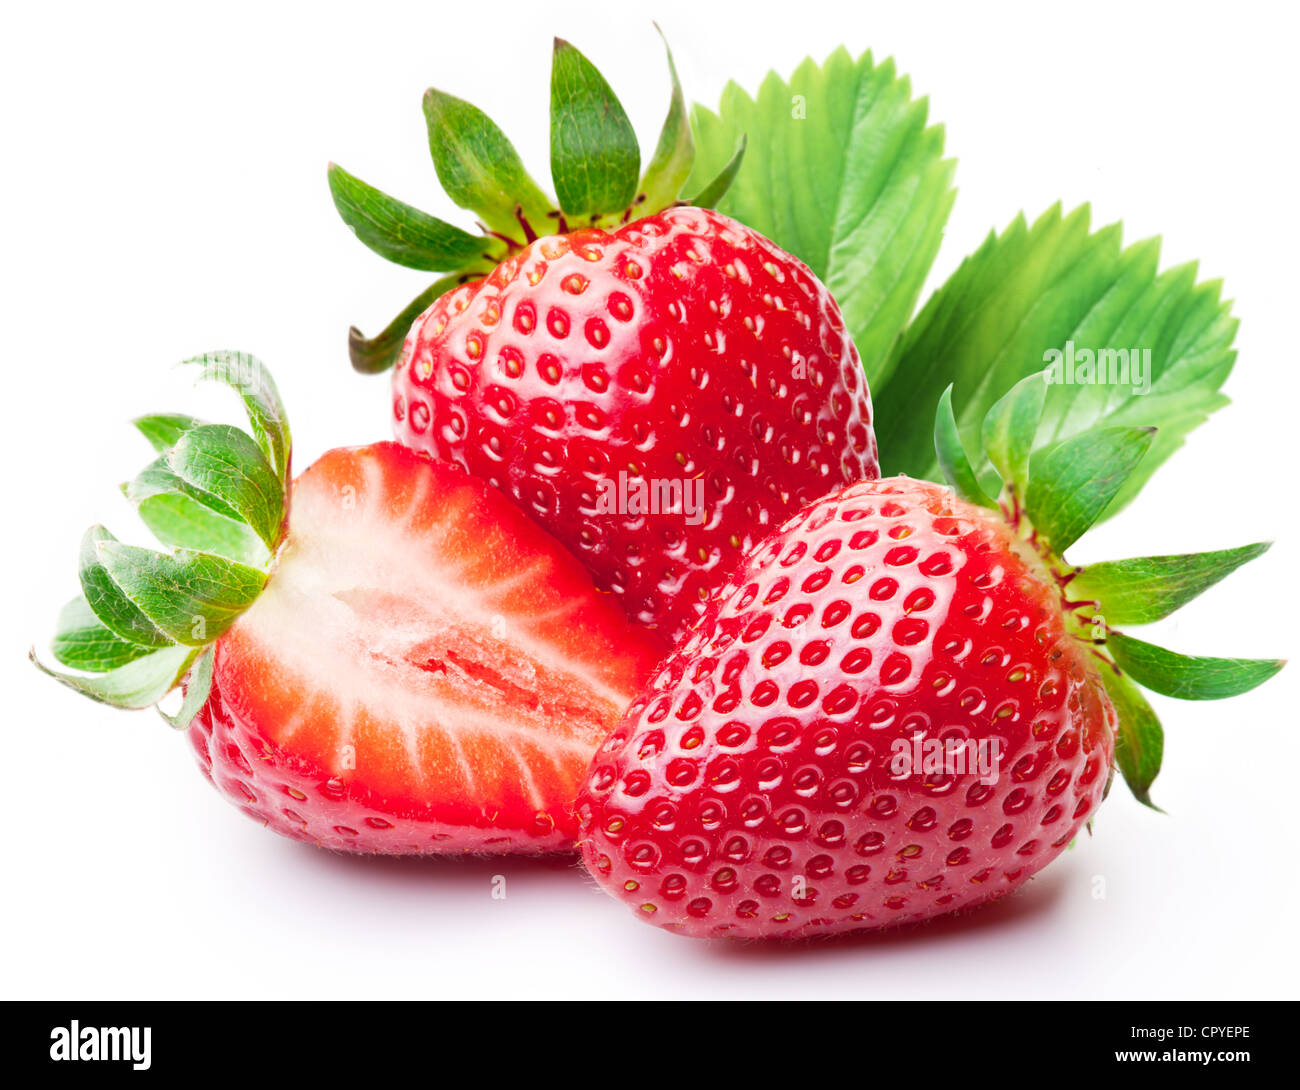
[595, 169]
[217, 497]
[1052, 493]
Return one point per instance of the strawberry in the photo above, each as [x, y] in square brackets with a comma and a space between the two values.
[899, 705]
[657, 384]
[681, 348]
[412, 667]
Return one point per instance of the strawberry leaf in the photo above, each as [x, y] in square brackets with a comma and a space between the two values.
[670, 165]
[179, 520]
[192, 597]
[479, 168]
[1140, 739]
[595, 160]
[1058, 295]
[403, 234]
[1145, 589]
[842, 171]
[372, 355]
[224, 462]
[83, 642]
[158, 479]
[108, 601]
[163, 429]
[1008, 429]
[1074, 481]
[712, 193]
[197, 688]
[1185, 676]
[248, 377]
[952, 456]
[136, 685]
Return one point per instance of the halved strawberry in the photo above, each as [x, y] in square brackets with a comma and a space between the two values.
[423, 670]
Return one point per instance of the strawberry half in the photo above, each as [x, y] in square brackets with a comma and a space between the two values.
[901, 704]
[422, 670]
[657, 384]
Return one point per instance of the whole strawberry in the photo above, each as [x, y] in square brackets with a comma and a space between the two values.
[899, 705]
[397, 661]
[657, 384]
[657, 397]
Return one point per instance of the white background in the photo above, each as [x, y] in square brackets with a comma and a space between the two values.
[164, 193]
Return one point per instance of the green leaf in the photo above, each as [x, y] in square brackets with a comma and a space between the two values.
[1073, 482]
[376, 354]
[670, 165]
[956, 466]
[108, 601]
[1026, 295]
[223, 461]
[1145, 589]
[178, 520]
[248, 377]
[714, 191]
[197, 689]
[403, 234]
[1140, 740]
[1185, 676]
[479, 168]
[595, 160]
[136, 685]
[1009, 427]
[82, 641]
[842, 171]
[158, 479]
[163, 429]
[192, 597]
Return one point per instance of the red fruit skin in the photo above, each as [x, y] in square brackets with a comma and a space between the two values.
[748, 792]
[681, 346]
[353, 708]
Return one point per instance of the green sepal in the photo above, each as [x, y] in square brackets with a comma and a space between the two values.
[674, 155]
[1140, 739]
[182, 522]
[136, 685]
[372, 355]
[224, 462]
[714, 191]
[952, 456]
[1188, 677]
[191, 597]
[1009, 428]
[1146, 589]
[145, 616]
[248, 377]
[403, 234]
[107, 600]
[595, 159]
[83, 642]
[479, 168]
[159, 479]
[163, 429]
[197, 687]
[1072, 483]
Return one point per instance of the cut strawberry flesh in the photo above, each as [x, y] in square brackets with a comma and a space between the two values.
[422, 654]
